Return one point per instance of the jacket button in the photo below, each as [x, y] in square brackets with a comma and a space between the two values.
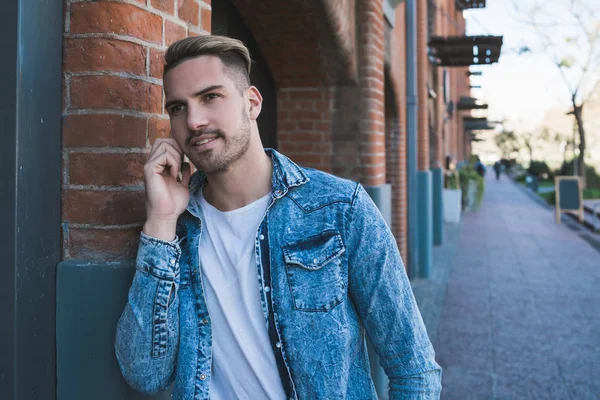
[278, 345]
[267, 289]
[202, 377]
[262, 237]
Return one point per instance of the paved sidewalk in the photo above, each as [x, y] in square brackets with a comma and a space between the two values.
[521, 314]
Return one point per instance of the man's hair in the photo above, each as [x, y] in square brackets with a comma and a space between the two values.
[232, 52]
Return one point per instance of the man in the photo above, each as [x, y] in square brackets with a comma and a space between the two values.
[256, 278]
[497, 169]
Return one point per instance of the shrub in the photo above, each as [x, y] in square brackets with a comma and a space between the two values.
[468, 173]
[540, 169]
[592, 177]
[452, 181]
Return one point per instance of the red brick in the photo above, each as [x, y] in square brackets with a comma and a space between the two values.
[206, 19]
[157, 63]
[104, 207]
[306, 147]
[93, 54]
[158, 128]
[115, 92]
[287, 105]
[104, 244]
[189, 11]
[167, 6]
[174, 32]
[306, 105]
[104, 130]
[286, 126]
[306, 125]
[119, 18]
[306, 95]
[308, 137]
[106, 169]
[312, 160]
[305, 116]
[323, 126]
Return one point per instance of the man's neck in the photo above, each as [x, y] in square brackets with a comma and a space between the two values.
[246, 181]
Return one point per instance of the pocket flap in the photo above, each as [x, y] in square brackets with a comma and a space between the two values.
[316, 251]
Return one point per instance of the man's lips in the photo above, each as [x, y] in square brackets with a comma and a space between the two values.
[199, 141]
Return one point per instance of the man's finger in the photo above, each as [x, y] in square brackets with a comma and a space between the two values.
[166, 141]
[186, 173]
[166, 146]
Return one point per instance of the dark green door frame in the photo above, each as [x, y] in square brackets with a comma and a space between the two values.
[30, 154]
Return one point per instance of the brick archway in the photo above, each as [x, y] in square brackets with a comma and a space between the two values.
[306, 44]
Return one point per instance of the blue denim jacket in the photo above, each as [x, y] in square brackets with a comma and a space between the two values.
[328, 272]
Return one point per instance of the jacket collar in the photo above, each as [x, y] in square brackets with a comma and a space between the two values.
[286, 174]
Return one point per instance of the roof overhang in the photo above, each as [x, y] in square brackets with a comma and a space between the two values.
[465, 4]
[470, 103]
[462, 51]
[478, 124]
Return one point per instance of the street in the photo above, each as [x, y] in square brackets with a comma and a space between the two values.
[520, 315]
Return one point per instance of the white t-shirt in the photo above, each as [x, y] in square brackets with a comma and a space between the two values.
[243, 365]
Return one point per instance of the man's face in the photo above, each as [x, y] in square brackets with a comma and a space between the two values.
[209, 116]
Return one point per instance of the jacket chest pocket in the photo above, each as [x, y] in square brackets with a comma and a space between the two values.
[314, 270]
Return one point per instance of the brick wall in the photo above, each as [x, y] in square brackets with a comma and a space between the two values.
[327, 60]
[112, 112]
[304, 125]
[422, 93]
[371, 74]
[396, 175]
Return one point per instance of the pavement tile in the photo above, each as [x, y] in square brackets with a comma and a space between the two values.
[525, 388]
[584, 391]
[521, 316]
[463, 350]
[466, 384]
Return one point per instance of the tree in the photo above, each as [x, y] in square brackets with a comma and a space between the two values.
[508, 143]
[568, 31]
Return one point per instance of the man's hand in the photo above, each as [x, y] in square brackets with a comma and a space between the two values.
[166, 196]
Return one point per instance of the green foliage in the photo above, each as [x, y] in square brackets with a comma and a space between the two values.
[521, 178]
[550, 197]
[591, 193]
[466, 174]
[592, 177]
[539, 168]
[452, 181]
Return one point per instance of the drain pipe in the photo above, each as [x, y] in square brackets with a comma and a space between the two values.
[411, 124]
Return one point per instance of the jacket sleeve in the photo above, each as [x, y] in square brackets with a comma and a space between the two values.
[382, 295]
[147, 336]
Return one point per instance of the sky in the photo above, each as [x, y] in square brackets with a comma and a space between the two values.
[519, 88]
[526, 90]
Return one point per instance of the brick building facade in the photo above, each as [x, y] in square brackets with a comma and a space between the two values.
[334, 77]
[340, 100]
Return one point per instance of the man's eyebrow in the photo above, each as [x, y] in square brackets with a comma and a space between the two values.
[197, 94]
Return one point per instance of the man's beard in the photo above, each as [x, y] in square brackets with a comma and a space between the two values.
[234, 148]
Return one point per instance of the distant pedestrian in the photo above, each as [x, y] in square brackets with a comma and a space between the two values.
[479, 167]
[497, 169]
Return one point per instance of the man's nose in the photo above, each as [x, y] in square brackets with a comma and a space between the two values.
[196, 118]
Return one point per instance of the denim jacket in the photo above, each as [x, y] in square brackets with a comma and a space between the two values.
[329, 273]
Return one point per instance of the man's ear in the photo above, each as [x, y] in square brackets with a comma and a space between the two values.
[255, 100]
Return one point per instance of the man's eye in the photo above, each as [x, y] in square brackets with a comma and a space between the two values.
[176, 109]
[211, 96]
